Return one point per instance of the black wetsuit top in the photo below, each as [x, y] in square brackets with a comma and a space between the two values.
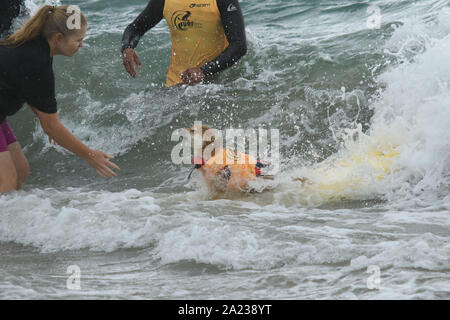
[9, 10]
[233, 25]
[26, 76]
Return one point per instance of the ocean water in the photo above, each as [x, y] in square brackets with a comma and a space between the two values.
[340, 80]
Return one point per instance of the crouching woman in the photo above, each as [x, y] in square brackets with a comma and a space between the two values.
[26, 76]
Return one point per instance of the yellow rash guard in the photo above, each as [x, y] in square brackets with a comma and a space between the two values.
[197, 35]
[209, 34]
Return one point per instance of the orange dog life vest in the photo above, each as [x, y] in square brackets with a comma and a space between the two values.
[233, 168]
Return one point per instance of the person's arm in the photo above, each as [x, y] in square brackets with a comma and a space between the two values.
[148, 18]
[59, 133]
[234, 27]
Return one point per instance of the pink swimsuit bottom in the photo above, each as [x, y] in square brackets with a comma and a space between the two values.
[6, 136]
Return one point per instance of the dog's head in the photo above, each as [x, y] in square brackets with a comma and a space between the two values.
[205, 133]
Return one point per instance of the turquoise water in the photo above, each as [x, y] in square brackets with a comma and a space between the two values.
[315, 70]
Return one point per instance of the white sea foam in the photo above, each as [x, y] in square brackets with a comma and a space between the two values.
[409, 129]
[62, 220]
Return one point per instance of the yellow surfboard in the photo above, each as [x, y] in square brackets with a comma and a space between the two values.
[348, 175]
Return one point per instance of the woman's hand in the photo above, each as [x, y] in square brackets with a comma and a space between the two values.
[192, 76]
[100, 162]
[63, 137]
[130, 59]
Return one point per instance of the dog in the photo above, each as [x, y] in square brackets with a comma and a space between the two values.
[225, 169]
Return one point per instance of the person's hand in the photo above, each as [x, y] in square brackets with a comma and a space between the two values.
[192, 76]
[100, 162]
[130, 59]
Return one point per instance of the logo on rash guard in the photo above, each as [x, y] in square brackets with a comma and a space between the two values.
[199, 5]
[180, 20]
[231, 8]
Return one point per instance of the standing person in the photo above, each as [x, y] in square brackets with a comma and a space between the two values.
[9, 10]
[208, 36]
[26, 76]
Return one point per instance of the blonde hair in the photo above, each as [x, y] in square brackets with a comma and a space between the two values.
[46, 22]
